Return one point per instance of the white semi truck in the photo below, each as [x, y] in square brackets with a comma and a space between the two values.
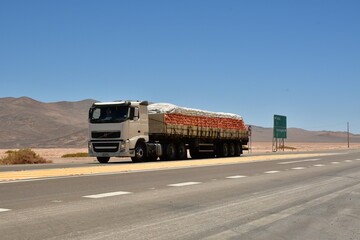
[147, 132]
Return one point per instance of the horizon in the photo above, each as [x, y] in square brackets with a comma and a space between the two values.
[255, 59]
[246, 123]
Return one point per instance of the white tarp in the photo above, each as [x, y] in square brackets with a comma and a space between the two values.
[171, 108]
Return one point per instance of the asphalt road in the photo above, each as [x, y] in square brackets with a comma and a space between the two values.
[303, 198]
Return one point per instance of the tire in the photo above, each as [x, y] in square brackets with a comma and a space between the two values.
[231, 149]
[170, 152]
[181, 151]
[238, 149]
[140, 153]
[224, 149]
[103, 159]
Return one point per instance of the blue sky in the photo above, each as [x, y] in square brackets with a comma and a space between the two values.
[254, 58]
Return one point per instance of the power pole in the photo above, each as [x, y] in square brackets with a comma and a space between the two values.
[348, 134]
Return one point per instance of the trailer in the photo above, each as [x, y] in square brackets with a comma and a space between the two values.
[146, 132]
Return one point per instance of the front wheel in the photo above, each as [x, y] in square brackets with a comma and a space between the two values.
[103, 159]
[140, 153]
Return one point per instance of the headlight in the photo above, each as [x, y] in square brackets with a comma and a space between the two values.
[122, 145]
[89, 146]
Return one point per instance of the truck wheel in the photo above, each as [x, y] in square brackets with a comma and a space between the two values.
[140, 153]
[181, 151]
[231, 149]
[170, 152]
[238, 149]
[224, 150]
[103, 159]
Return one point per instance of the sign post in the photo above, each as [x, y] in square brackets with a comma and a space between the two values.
[280, 133]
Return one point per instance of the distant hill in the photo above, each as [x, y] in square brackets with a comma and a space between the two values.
[261, 134]
[25, 122]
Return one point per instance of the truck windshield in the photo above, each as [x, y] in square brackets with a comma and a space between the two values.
[108, 114]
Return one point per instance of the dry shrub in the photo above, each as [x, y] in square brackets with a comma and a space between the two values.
[22, 156]
[69, 155]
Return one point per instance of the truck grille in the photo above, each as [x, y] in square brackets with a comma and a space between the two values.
[105, 135]
[106, 147]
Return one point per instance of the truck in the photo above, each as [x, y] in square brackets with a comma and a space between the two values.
[146, 132]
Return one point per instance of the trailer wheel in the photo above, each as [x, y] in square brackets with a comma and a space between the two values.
[238, 149]
[181, 151]
[140, 152]
[231, 149]
[103, 159]
[224, 150]
[170, 152]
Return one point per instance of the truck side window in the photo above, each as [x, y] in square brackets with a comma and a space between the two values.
[132, 113]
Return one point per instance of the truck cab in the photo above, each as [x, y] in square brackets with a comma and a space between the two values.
[117, 129]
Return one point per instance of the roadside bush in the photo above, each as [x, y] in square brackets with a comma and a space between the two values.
[69, 155]
[22, 156]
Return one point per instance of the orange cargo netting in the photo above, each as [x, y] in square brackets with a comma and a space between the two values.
[211, 122]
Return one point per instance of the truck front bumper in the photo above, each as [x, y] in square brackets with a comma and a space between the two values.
[110, 149]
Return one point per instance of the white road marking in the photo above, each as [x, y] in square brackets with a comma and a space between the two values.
[183, 184]
[306, 160]
[334, 162]
[298, 168]
[348, 161]
[237, 176]
[357, 159]
[319, 165]
[4, 209]
[271, 172]
[110, 194]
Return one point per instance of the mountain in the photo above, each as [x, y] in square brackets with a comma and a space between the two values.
[261, 134]
[25, 122]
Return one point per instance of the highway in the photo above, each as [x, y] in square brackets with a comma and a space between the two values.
[314, 196]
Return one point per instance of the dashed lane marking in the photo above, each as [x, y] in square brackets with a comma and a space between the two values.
[183, 184]
[4, 210]
[109, 194]
[272, 172]
[298, 168]
[319, 165]
[348, 161]
[306, 160]
[334, 162]
[237, 176]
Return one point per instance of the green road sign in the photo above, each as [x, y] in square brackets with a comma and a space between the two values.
[280, 126]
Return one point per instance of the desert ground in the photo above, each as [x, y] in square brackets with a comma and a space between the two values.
[55, 154]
